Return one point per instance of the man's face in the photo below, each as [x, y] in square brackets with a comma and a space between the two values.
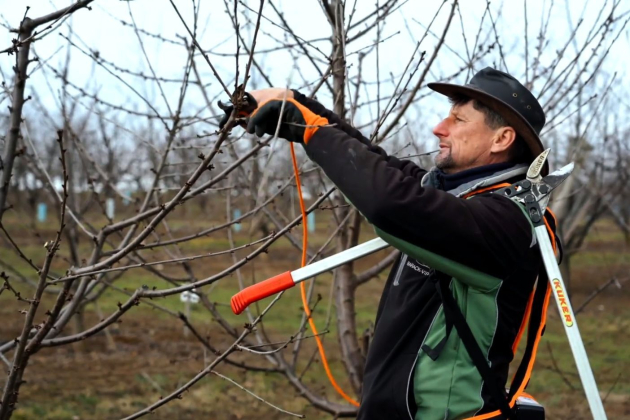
[465, 139]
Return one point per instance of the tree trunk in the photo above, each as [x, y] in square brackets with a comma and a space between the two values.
[351, 353]
[352, 356]
[8, 157]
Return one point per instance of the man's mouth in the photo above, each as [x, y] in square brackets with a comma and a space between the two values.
[443, 146]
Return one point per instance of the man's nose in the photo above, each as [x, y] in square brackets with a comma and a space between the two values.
[441, 130]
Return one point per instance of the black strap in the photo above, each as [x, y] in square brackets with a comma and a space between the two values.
[452, 312]
[434, 352]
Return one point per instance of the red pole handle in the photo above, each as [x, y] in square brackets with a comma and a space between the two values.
[261, 290]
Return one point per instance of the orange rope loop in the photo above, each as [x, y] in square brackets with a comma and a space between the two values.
[307, 310]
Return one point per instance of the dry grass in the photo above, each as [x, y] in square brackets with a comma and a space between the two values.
[152, 356]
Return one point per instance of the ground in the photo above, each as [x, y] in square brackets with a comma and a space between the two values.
[151, 355]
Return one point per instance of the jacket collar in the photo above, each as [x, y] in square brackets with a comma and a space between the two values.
[475, 178]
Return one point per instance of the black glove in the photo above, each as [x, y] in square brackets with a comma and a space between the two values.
[248, 105]
[298, 122]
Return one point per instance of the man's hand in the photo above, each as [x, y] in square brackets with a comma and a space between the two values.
[298, 123]
[264, 95]
[261, 96]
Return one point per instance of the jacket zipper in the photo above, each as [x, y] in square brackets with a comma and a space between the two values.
[416, 360]
[463, 309]
[403, 261]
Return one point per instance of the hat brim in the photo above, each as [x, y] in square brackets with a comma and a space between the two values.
[511, 116]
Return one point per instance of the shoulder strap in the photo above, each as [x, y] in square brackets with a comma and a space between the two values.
[452, 312]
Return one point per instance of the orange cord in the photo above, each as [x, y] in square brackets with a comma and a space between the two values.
[307, 310]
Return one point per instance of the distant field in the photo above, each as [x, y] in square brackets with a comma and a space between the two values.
[151, 356]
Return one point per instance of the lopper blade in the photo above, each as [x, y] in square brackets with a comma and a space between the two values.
[543, 187]
[557, 177]
[533, 173]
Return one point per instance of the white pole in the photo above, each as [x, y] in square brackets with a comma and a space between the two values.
[336, 260]
[567, 318]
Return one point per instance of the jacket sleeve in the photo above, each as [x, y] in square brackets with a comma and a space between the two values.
[488, 233]
[406, 166]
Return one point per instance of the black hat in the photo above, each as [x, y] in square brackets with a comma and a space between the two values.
[507, 97]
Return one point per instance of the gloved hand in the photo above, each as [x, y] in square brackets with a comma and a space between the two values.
[248, 105]
[298, 122]
[252, 99]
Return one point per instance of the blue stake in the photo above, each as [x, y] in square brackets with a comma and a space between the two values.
[310, 221]
[41, 212]
[109, 208]
[236, 226]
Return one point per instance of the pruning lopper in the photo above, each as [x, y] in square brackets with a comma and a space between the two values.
[245, 104]
[533, 193]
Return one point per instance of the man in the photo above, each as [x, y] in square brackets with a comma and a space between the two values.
[417, 367]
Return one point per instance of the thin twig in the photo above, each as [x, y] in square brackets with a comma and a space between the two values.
[301, 416]
[205, 55]
[178, 393]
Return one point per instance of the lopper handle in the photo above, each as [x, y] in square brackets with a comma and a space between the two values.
[261, 290]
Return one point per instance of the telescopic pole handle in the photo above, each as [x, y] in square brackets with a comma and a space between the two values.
[284, 281]
[261, 290]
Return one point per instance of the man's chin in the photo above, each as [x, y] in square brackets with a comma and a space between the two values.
[444, 160]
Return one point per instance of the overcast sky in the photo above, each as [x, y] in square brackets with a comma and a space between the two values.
[101, 30]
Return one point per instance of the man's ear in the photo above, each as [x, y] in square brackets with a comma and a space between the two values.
[504, 138]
